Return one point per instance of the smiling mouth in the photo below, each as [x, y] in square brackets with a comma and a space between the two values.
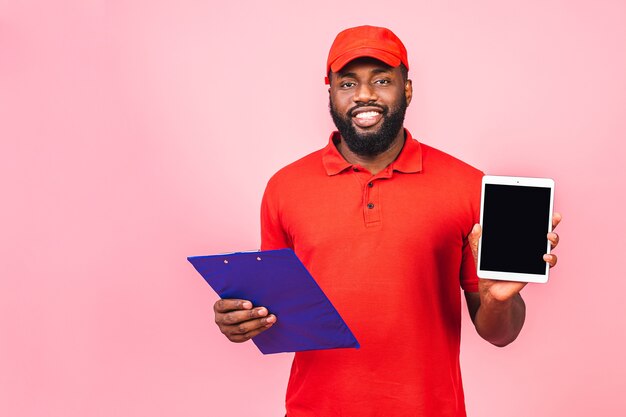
[366, 118]
[367, 115]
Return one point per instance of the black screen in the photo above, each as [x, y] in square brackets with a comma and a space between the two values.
[515, 224]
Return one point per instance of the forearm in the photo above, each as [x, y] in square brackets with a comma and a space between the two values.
[500, 322]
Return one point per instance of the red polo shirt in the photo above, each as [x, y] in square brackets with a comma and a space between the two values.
[390, 251]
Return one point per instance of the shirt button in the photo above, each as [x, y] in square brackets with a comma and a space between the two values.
[355, 169]
[370, 205]
[371, 184]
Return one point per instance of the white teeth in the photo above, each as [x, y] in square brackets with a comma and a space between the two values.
[367, 114]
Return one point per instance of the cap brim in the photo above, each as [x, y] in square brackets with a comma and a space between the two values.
[384, 56]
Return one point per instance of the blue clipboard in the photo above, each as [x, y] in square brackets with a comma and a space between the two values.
[276, 279]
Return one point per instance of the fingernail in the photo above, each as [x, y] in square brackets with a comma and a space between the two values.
[270, 319]
[262, 312]
[246, 304]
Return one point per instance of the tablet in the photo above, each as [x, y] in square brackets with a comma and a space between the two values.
[516, 216]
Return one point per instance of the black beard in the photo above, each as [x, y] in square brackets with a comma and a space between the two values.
[375, 143]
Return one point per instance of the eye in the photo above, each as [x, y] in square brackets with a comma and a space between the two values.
[347, 84]
[382, 81]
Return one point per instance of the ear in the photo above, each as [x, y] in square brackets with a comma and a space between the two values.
[408, 91]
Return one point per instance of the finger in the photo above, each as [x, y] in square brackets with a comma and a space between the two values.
[247, 330]
[550, 259]
[474, 237]
[554, 239]
[225, 305]
[475, 233]
[245, 337]
[235, 318]
[503, 290]
[252, 325]
[556, 219]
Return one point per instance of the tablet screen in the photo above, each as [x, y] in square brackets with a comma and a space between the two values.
[515, 222]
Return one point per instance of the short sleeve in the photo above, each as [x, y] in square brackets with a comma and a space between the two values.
[469, 276]
[273, 235]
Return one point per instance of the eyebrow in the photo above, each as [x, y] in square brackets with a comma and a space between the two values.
[375, 71]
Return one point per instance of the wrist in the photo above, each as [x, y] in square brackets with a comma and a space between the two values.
[499, 321]
[495, 302]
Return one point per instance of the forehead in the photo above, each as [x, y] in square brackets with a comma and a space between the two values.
[366, 65]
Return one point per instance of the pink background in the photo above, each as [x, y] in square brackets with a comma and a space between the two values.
[136, 133]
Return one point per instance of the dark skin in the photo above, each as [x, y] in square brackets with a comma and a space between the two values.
[365, 81]
[497, 309]
[239, 321]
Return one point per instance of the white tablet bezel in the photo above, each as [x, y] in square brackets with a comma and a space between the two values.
[515, 182]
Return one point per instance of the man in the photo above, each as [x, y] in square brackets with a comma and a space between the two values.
[387, 226]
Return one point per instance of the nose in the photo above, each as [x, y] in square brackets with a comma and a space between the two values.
[364, 93]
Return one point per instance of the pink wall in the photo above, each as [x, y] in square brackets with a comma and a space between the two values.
[136, 133]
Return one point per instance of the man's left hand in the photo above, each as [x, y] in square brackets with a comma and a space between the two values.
[497, 290]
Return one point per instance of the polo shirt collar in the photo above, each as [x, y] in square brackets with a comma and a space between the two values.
[409, 160]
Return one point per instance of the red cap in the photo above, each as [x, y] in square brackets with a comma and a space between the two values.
[370, 41]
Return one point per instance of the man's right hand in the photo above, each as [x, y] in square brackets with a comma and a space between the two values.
[239, 321]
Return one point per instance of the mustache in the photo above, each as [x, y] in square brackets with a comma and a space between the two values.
[383, 109]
